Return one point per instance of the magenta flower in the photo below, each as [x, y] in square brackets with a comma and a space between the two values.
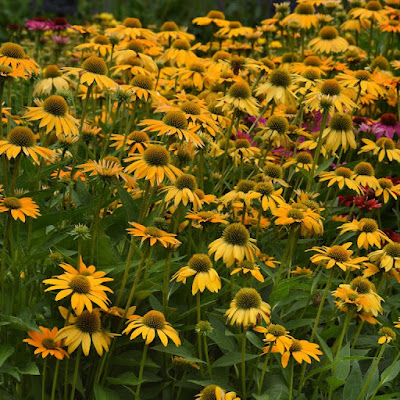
[60, 40]
[59, 24]
[387, 126]
[37, 25]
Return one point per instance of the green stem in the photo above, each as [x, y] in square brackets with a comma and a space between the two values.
[207, 356]
[53, 388]
[291, 380]
[141, 371]
[75, 378]
[44, 379]
[371, 374]
[126, 272]
[3, 262]
[15, 174]
[244, 397]
[264, 370]
[338, 345]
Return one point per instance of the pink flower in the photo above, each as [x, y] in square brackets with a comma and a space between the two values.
[37, 24]
[387, 126]
[60, 40]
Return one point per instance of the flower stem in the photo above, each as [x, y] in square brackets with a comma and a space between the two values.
[53, 388]
[337, 346]
[244, 397]
[44, 379]
[371, 374]
[141, 371]
[75, 378]
[3, 262]
[291, 380]
[264, 370]
[207, 356]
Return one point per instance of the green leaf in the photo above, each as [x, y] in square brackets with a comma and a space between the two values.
[342, 369]
[127, 378]
[19, 324]
[232, 358]
[5, 351]
[299, 323]
[324, 165]
[30, 369]
[325, 348]
[178, 351]
[103, 393]
[131, 207]
[335, 383]
[353, 383]
[390, 373]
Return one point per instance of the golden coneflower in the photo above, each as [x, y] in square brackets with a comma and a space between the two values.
[141, 87]
[244, 191]
[129, 67]
[154, 164]
[82, 330]
[169, 31]
[174, 123]
[368, 232]
[205, 276]
[270, 197]
[19, 208]
[46, 343]
[84, 286]
[341, 176]
[276, 131]
[13, 55]
[388, 258]
[100, 44]
[330, 90]
[386, 335]
[239, 98]
[304, 16]
[184, 191]
[337, 256]
[300, 350]
[214, 392]
[329, 41]
[153, 235]
[93, 70]
[106, 169]
[242, 152]
[301, 271]
[52, 80]
[276, 337]
[298, 214]
[248, 308]
[339, 133]
[387, 189]
[361, 295]
[278, 88]
[372, 11]
[131, 28]
[53, 113]
[384, 148]
[302, 160]
[180, 53]
[363, 80]
[135, 142]
[213, 17]
[21, 140]
[248, 267]
[365, 175]
[234, 245]
[274, 172]
[152, 323]
[205, 218]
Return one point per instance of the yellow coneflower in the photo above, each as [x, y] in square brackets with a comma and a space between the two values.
[276, 131]
[205, 218]
[248, 267]
[387, 189]
[174, 123]
[84, 286]
[368, 231]
[153, 165]
[214, 392]
[304, 15]
[373, 11]
[278, 88]
[329, 41]
[21, 140]
[270, 197]
[341, 176]
[52, 80]
[45, 343]
[149, 325]
[248, 308]
[100, 44]
[388, 258]
[309, 221]
[301, 271]
[384, 148]
[53, 113]
[19, 208]
[274, 172]
[364, 80]
[386, 335]
[93, 70]
[13, 55]
[106, 168]
[302, 160]
[339, 256]
[339, 133]
[180, 53]
[234, 245]
[300, 350]
[184, 191]
[82, 330]
[365, 175]
[136, 142]
[131, 28]
[205, 276]
[244, 191]
[153, 235]
[239, 98]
